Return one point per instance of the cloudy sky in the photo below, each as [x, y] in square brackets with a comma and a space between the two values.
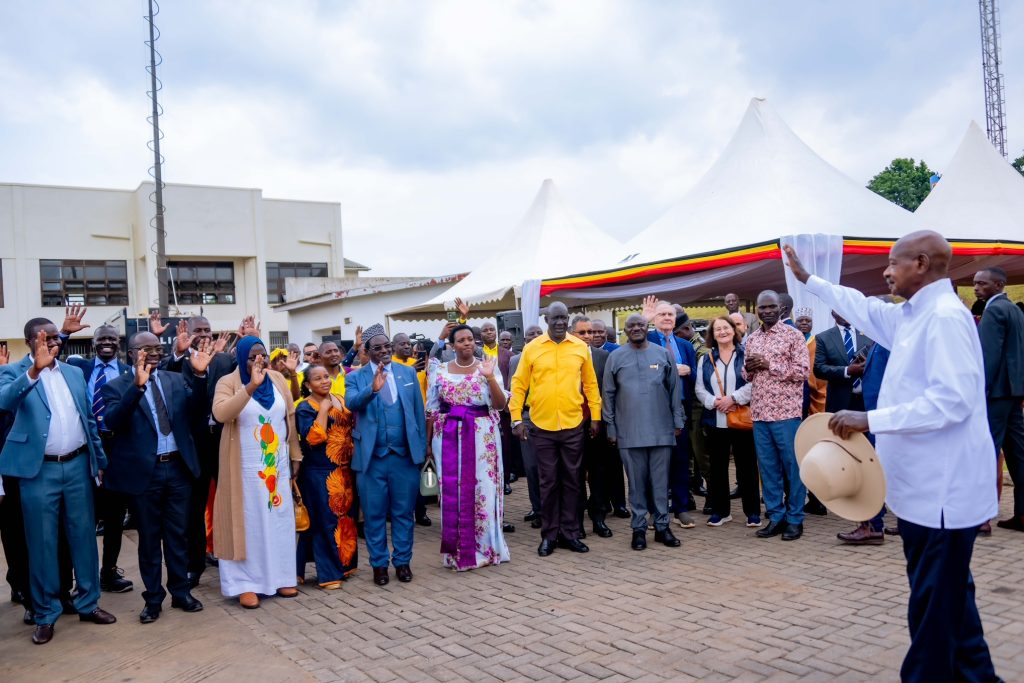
[438, 120]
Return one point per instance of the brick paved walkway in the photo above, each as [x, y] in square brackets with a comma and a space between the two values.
[724, 607]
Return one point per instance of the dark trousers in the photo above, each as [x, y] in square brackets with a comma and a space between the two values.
[389, 486]
[60, 496]
[595, 472]
[162, 513]
[530, 467]
[679, 474]
[559, 459]
[207, 442]
[1006, 423]
[946, 638]
[720, 442]
[111, 507]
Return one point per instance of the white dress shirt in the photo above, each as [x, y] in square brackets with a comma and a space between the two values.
[390, 379]
[930, 425]
[65, 432]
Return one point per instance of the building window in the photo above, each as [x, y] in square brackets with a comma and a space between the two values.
[202, 282]
[278, 340]
[92, 283]
[278, 271]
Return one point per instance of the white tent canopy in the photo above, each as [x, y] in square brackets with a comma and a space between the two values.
[551, 238]
[767, 185]
[980, 195]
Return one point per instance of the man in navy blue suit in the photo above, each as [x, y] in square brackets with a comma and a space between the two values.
[153, 460]
[54, 449]
[663, 314]
[111, 506]
[390, 444]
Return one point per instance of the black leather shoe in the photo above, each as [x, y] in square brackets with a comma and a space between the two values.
[211, 560]
[187, 604]
[17, 597]
[667, 538]
[100, 529]
[602, 530]
[536, 524]
[639, 541]
[193, 580]
[43, 634]
[149, 614]
[545, 548]
[98, 616]
[513, 477]
[793, 532]
[112, 581]
[424, 521]
[531, 515]
[573, 544]
[771, 529]
[508, 527]
[403, 573]
[28, 618]
[735, 493]
[583, 532]
[622, 513]
[380, 576]
[129, 522]
[508, 490]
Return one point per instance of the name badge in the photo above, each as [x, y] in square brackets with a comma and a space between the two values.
[654, 366]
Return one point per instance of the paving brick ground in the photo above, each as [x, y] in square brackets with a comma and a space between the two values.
[723, 607]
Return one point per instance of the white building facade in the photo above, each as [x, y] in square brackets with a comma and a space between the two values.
[229, 251]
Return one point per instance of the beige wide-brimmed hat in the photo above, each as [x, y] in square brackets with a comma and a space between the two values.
[845, 474]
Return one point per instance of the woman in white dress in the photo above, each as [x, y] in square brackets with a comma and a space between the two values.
[253, 518]
[463, 399]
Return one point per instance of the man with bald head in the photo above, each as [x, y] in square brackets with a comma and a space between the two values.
[552, 368]
[777, 365]
[933, 441]
[741, 324]
[599, 336]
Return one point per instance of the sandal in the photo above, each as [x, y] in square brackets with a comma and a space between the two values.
[331, 585]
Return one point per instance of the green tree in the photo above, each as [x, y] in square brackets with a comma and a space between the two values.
[1018, 164]
[903, 183]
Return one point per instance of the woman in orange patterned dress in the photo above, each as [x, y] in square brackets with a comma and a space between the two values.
[325, 481]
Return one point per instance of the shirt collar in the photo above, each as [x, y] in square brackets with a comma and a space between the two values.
[927, 294]
[993, 298]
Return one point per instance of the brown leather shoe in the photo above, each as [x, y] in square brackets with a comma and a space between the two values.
[985, 529]
[98, 616]
[380, 576]
[249, 600]
[288, 592]
[862, 535]
[43, 634]
[404, 573]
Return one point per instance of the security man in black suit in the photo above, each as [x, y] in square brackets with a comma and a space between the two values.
[1002, 349]
[839, 358]
[152, 458]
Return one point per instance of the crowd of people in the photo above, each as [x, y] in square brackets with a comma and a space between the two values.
[296, 453]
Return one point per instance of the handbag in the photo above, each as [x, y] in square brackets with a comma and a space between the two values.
[301, 513]
[429, 485]
[739, 418]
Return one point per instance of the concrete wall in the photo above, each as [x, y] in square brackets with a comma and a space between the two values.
[202, 223]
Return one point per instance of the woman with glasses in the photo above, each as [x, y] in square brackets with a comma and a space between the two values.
[253, 518]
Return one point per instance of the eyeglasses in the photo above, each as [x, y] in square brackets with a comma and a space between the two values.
[381, 347]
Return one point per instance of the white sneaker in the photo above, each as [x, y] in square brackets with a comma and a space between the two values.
[715, 520]
[684, 520]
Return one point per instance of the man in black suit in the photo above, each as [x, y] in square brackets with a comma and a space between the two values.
[1002, 349]
[111, 506]
[839, 359]
[153, 459]
[597, 454]
[205, 430]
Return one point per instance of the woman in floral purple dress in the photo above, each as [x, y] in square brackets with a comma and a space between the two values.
[463, 436]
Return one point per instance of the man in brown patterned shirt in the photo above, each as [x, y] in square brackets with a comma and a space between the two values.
[777, 365]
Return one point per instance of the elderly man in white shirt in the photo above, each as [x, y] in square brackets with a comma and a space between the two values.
[932, 440]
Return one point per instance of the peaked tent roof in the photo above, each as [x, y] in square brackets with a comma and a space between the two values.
[551, 238]
[767, 183]
[980, 195]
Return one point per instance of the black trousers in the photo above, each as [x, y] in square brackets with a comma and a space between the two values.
[1006, 423]
[559, 459]
[207, 442]
[946, 638]
[12, 537]
[602, 471]
[162, 512]
[720, 442]
[111, 507]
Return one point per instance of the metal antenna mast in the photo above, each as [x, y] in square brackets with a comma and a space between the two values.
[995, 102]
[158, 193]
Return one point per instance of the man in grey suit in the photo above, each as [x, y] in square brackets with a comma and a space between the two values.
[54, 449]
[390, 444]
[643, 415]
[1002, 349]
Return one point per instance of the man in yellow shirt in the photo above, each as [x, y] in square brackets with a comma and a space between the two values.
[330, 356]
[552, 368]
[489, 337]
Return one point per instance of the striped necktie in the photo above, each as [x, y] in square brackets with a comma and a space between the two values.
[850, 352]
[99, 407]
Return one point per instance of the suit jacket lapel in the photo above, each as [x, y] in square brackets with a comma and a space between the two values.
[38, 388]
[144, 406]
